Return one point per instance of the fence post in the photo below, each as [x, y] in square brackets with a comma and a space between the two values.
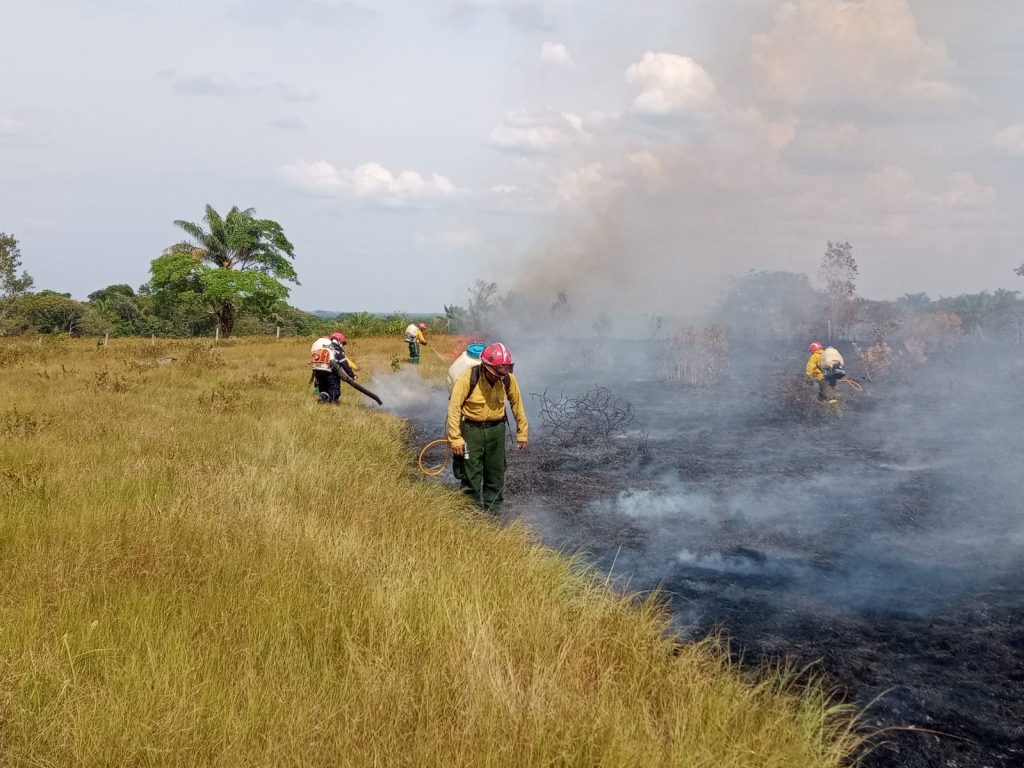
[152, 340]
[279, 333]
[106, 339]
[216, 334]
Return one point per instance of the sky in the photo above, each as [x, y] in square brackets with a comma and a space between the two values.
[410, 148]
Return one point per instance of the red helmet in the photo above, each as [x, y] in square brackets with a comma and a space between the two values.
[815, 347]
[423, 326]
[339, 337]
[497, 358]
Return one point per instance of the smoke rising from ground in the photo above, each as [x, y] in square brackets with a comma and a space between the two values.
[908, 502]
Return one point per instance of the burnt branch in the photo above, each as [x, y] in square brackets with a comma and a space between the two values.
[594, 415]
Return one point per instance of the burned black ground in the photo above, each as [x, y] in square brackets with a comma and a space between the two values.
[881, 543]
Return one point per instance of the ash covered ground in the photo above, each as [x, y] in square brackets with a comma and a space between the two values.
[884, 543]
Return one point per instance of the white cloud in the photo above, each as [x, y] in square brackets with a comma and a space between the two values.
[538, 131]
[964, 192]
[889, 201]
[835, 50]
[1010, 139]
[647, 163]
[597, 119]
[894, 189]
[760, 131]
[369, 181]
[671, 84]
[893, 186]
[577, 185]
[555, 53]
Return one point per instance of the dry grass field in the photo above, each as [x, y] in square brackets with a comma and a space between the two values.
[203, 567]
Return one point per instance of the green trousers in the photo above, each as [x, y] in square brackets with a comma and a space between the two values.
[483, 473]
[826, 391]
[414, 352]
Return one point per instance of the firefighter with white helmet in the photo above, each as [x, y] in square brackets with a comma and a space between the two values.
[414, 337]
[476, 425]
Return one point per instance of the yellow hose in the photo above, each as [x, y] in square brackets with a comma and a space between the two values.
[854, 384]
[438, 470]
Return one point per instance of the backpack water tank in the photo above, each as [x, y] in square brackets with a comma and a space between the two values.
[830, 357]
[465, 361]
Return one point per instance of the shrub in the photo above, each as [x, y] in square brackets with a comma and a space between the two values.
[697, 357]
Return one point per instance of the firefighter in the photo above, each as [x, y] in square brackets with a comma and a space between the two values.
[816, 375]
[476, 425]
[414, 337]
[327, 357]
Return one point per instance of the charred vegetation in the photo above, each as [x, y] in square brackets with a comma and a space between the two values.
[876, 541]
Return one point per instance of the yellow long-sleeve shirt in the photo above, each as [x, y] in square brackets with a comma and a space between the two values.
[485, 403]
[814, 367]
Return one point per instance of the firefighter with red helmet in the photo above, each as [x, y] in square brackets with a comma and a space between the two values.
[476, 425]
[815, 373]
[327, 358]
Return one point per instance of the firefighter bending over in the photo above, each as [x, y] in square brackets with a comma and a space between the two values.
[327, 358]
[414, 337]
[825, 367]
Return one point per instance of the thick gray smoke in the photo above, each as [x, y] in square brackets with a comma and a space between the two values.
[906, 503]
[753, 157]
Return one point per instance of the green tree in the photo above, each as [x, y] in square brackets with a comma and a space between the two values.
[126, 313]
[1000, 312]
[52, 312]
[12, 285]
[236, 262]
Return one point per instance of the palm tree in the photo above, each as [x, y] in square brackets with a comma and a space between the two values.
[241, 242]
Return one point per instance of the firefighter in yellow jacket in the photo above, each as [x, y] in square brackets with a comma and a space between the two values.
[476, 425]
[414, 338]
[814, 373]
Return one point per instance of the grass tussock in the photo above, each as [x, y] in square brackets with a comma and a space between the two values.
[203, 567]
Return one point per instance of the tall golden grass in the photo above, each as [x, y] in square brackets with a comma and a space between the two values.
[202, 567]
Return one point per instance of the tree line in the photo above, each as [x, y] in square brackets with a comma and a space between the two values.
[227, 275]
[764, 304]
